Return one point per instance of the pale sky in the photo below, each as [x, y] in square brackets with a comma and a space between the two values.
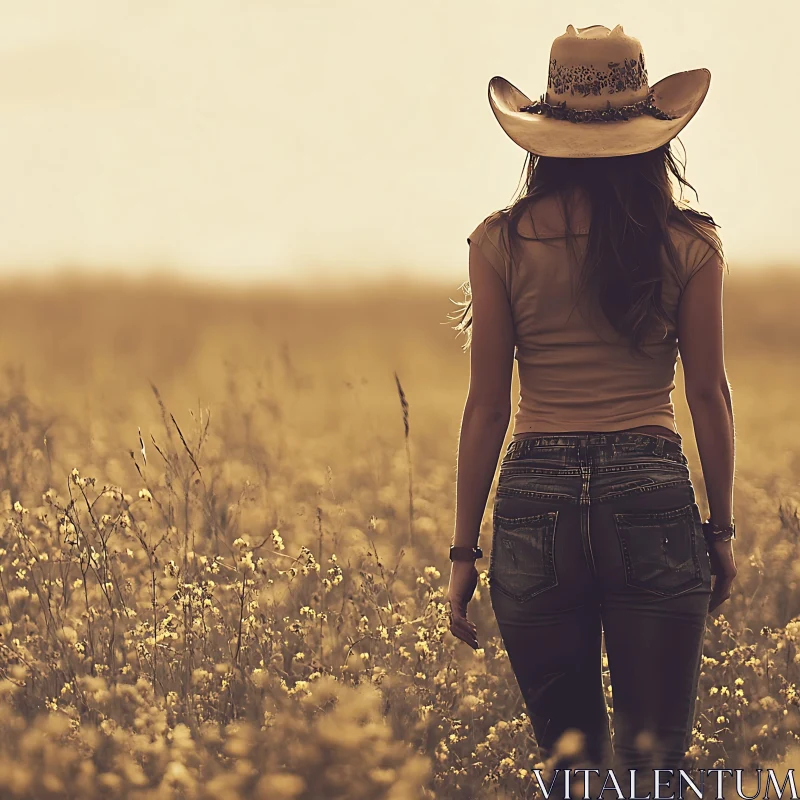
[253, 139]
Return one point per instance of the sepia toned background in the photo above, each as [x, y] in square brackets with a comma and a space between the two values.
[264, 140]
[231, 236]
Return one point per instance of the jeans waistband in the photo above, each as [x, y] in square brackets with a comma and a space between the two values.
[647, 444]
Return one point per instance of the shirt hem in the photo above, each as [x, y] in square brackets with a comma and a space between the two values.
[533, 426]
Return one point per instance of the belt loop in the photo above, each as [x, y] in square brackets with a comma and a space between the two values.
[659, 451]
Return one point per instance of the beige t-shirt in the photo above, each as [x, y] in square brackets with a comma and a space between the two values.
[573, 375]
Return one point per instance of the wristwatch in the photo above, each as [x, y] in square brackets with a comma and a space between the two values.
[465, 553]
[719, 533]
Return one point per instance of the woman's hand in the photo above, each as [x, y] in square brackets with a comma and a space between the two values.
[724, 567]
[463, 580]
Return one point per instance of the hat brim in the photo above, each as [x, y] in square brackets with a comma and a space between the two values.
[679, 95]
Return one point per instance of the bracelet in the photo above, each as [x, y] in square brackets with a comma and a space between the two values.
[719, 533]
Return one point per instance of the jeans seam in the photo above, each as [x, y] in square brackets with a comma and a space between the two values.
[508, 491]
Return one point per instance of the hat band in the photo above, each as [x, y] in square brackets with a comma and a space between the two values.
[610, 114]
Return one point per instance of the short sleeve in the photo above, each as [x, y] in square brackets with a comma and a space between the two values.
[701, 253]
[489, 238]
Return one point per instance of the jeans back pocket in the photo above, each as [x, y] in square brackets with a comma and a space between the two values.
[661, 550]
[522, 560]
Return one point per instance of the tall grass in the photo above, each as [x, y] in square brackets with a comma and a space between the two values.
[218, 580]
[406, 426]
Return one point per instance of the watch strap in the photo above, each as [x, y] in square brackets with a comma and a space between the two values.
[458, 553]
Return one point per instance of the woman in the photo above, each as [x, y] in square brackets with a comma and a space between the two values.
[594, 280]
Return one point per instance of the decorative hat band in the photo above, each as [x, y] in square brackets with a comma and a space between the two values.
[609, 114]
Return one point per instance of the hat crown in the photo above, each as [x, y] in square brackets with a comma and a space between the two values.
[594, 67]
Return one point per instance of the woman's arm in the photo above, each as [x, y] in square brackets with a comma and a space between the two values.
[483, 427]
[488, 407]
[483, 430]
[701, 345]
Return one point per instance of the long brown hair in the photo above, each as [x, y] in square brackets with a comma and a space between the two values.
[632, 207]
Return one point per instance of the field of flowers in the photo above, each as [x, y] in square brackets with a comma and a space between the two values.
[224, 557]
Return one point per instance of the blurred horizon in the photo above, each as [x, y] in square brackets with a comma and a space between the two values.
[304, 143]
[353, 284]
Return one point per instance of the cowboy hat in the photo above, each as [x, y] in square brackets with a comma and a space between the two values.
[598, 102]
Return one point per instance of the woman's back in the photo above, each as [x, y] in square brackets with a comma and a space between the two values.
[575, 371]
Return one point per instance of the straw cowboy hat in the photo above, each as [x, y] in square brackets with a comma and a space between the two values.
[598, 102]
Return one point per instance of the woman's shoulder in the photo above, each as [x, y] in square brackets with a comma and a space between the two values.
[693, 222]
[492, 223]
[545, 216]
[492, 230]
[489, 236]
[696, 238]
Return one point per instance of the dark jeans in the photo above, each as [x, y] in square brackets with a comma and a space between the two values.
[599, 535]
